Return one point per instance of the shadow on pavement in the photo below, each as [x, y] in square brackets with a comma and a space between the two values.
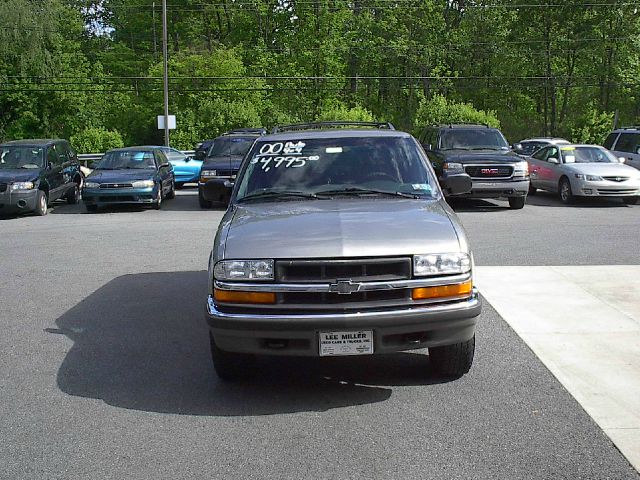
[548, 199]
[141, 342]
[477, 205]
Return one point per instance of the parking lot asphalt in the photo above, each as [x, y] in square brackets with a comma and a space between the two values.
[105, 370]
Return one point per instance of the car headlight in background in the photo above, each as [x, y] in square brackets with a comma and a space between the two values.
[243, 270]
[91, 184]
[208, 173]
[452, 166]
[441, 264]
[143, 184]
[588, 178]
[521, 169]
[22, 186]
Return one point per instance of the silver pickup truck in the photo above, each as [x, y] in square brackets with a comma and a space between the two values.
[338, 242]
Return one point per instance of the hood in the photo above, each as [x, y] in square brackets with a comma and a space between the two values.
[603, 169]
[481, 156]
[117, 176]
[10, 175]
[340, 228]
[225, 162]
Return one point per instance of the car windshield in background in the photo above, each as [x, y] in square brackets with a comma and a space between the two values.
[21, 157]
[477, 139]
[530, 147]
[174, 155]
[231, 146]
[587, 155]
[127, 159]
[355, 166]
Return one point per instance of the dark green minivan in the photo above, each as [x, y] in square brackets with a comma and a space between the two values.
[34, 173]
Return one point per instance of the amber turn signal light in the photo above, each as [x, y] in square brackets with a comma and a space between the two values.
[229, 296]
[442, 291]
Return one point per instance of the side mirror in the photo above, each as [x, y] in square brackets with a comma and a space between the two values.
[188, 159]
[163, 165]
[459, 184]
[553, 160]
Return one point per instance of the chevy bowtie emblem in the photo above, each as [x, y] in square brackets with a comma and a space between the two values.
[344, 287]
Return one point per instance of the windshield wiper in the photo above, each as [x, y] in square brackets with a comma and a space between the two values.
[277, 193]
[360, 191]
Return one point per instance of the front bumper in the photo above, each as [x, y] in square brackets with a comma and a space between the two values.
[497, 189]
[605, 188]
[18, 202]
[215, 188]
[394, 330]
[114, 196]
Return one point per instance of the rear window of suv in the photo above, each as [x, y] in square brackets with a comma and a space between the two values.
[628, 142]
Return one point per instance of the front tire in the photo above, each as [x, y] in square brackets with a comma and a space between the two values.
[630, 200]
[517, 203]
[74, 195]
[566, 195]
[532, 190]
[230, 366]
[453, 360]
[91, 208]
[42, 204]
[206, 204]
[157, 205]
[172, 193]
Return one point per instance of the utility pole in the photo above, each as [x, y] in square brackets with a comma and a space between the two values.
[166, 72]
[155, 38]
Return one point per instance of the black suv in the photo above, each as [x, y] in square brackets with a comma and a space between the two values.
[484, 154]
[34, 173]
[223, 161]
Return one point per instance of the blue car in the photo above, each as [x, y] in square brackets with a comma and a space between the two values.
[185, 168]
[134, 175]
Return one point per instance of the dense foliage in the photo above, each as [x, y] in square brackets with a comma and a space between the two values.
[91, 69]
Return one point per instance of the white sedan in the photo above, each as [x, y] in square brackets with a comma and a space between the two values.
[583, 170]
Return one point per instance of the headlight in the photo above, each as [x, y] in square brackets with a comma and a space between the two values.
[589, 178]
[208, 173]
[441, 264]
[243, 270]
[521, 169]
[91, 185]
[452, 166]
[22, 186]
[143, 184]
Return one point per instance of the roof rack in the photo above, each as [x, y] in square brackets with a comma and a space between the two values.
[466, 124]
[631, 127]
[261, 131]
[319, 125]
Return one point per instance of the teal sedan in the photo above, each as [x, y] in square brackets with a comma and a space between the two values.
[134, 175]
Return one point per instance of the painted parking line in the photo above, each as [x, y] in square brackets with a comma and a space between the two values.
[584, 325]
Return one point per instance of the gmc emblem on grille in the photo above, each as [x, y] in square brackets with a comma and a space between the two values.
[489, 171]
[344, 287]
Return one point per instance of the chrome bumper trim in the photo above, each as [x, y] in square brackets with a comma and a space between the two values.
[327, 287]
[470, 303]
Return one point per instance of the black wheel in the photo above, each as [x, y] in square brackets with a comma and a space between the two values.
[532, 190]
[42, 204]
[630, 200]
[157, 205]
[516, 203]
[203, 203]
[453, 360]
[230, 366]
[74, 195]
[566, 196]
[172, 193]
[91, 208]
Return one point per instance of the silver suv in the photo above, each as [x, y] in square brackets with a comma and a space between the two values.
[338, 242]
[625, 144]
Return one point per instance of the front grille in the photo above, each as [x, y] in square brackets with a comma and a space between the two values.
[489, 171]
[308, 298]
[356, 270]
[617, 191]
[116, 185]
[3, 187]
[616, 179]
[124, 198]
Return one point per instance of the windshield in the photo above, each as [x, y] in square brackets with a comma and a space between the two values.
[227, 146]
[343, 165]
[477, 138]
[21, 157]
[587, 155]
[174, 155]
[134, 159]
